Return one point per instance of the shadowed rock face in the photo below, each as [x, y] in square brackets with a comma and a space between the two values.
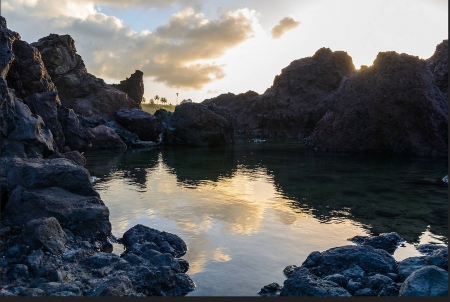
[438, 65]
[133, 86]
[78, 89]
[297, 100]
[392, 107]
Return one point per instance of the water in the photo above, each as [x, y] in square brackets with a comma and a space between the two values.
[248, 211]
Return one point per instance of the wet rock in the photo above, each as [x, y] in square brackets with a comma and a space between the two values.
[289, 270]
[86, 216]
[35, 261]
[79, 90]
[197, 125]
[46, 233]
[133, 86]
[106, 138]
[427, 281]
[58, 172]
[118, 286]
[76, 136]
[339, 279]
[140, 122]
[407, 266]
[377, 109]
[339, 259]
[388, 241]
[432, 249]
[271, 290]
[143, 234]
[303, 283]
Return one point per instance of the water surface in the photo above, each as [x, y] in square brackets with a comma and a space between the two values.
[248, 211]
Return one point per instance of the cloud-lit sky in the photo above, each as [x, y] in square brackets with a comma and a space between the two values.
[202, 48]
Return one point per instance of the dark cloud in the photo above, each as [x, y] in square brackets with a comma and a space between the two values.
[285, 25]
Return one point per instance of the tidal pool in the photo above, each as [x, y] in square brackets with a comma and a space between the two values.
[248, 211]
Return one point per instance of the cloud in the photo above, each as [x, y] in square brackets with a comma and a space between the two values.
[179, 53]
[285, 25]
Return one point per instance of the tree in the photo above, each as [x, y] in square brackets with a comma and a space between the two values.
[163, 100]
[144, 100]
[156, 98]
[152, 101]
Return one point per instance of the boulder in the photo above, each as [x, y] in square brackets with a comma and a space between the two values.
[407, 266]
[106, 138]
[129, 138]
[377, 109]
[79, 90]
[425, 282]
[386, 241]
[46, 233]
[46, 106]
[297, 100]
[166, 242]
[75, 157]
[40, 173]
[76, 136]
[303, 283]
[140, 122]
[339, 259]
[23, 133]
[133, 86]
[199, 125]
[271, 290]
[85, 216]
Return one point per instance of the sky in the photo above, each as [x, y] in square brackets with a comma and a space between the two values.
[203, 48]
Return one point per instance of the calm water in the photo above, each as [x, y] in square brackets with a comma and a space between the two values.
[248, 211]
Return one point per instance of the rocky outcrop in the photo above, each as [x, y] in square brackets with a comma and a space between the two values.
[78, 89]
[142, 123]
[438, 65]
[378, 109]
[388, 242]
[106, 138]
[297, 100]
[133, 86]
[199, 125]
[365, 271]
[76, 136]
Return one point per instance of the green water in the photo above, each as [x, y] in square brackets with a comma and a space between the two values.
[249, 210]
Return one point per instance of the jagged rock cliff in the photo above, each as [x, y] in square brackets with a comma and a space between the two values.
[133, 86]
[79, 90]
[297, 100]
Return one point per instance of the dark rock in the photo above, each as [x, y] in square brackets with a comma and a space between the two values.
[31, 292]
[63, 294]
[144, 145]
[86, 216]
[354, 272]
[144, 234]
[427, 281]
[297, 99]
[47, 233]
[353, 286]
[432, 249]
[76, 157]
[438, 65]
[23, 133]
[183, 264]
[339, 259]
[7, 39]
[19, 272]
[76, 136]
[40, 173]
[407, 266]
[303, 283]
[271, 290]
[388, 241]
[140, 122]
[197, 125]
[54, 287]
[289, 270]
[378, 283]
[27, 74]
[365, 292]
[133, 86]
[35, 261]
[339, 279]
[79, 90]
[118, 286]
[100, 260]
[162, 114]
[377, 109]
[129, 138]
[106, 138]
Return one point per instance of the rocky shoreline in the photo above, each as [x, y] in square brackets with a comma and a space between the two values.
[55, 234]
[367, 269]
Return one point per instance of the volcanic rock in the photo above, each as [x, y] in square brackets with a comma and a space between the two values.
[79, 90]
[133, 86]
[106, 138]
[427, 281]
[199, 125]
[438, 65]
[47, 233]
[378, 108]
[388, 241]
[76, 136]
[142, 123]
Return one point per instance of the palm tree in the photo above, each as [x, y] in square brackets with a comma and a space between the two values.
[156, 98]
[163, 100]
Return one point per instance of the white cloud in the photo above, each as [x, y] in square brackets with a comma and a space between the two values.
[286, 24]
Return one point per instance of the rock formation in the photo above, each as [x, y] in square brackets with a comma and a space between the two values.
[133, 86]
[144, 124]
[78, 89]
[438, 65]
[199, 125]
[297, 100]
[393, 106]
